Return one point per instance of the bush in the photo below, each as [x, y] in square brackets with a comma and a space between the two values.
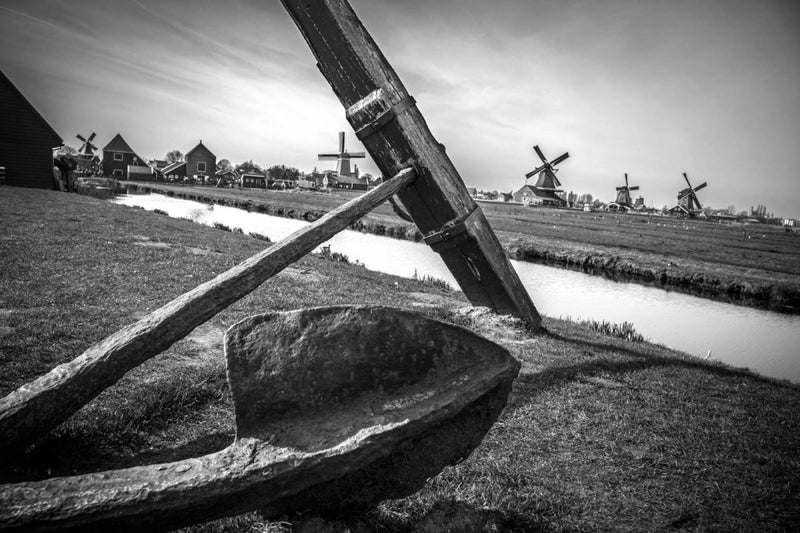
[432, 281]
[336, 257]
[260, 237]
[624, 331]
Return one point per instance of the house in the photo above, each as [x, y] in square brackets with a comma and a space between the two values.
[121, 162]
[175, 171]
[337, 181]
[201, 164]
[253, 180]
[527, 195]
[226, 177]
[26, 141]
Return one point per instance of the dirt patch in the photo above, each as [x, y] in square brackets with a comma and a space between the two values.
[153, 244]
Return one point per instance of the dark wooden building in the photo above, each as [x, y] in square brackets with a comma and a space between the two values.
[118, 156]
[26, 141]
[201, 164]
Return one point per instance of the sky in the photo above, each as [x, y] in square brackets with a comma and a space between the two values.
[649, 88]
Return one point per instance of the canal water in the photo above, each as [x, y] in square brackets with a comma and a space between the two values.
[761, 340]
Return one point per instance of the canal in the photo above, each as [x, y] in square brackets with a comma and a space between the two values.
[761, 340]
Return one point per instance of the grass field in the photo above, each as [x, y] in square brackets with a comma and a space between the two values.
[600, 433]
[754, 265]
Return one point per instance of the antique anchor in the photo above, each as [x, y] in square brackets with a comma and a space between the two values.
[326, 417]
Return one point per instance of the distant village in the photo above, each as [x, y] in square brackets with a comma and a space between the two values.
[32, 154]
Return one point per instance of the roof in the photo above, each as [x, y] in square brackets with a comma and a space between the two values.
[539, 193]
[201, 148]
[349, 179]
[224, 171]
[118, 144]
[173, 166]
[29, 126]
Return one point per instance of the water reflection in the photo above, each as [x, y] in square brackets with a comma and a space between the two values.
[762, 340]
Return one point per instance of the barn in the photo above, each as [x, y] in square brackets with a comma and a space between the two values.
[26, 141]
[201, 163]
[119, 158]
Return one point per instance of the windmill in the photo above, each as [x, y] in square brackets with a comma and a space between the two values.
[87, 148]
[88, 163]
[547, 184]
[342, 158]
[688, 203]
[624, 194]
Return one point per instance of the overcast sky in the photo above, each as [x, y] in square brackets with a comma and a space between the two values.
[652, 88]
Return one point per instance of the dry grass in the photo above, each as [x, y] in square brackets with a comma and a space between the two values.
[600, 434]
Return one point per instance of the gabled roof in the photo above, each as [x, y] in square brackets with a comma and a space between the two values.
[173, 166]
[539, 193]
[224, 171]
[118, 144]
[23, 124]
[202, 148]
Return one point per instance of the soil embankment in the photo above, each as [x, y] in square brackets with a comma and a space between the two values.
[752, 266]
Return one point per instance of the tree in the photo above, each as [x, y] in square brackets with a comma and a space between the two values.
[283, 172]
[174, 156]
[67, 150]
[224, 164]
[248, 167]
[571, 198]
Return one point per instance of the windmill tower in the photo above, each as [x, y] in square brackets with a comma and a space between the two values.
[624, 194]
[688, 203]
[547, 184]
[342, 158]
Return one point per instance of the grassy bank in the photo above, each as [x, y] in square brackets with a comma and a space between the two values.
[600, 433]
[757, 266]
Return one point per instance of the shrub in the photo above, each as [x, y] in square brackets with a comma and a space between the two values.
[432, 281]
[260, 237]
[624, 331]
[336, 257]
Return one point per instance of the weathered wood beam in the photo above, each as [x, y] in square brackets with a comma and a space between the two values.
[37, 407]
[395, 133]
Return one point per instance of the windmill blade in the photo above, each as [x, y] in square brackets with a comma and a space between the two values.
[559, 159]
[634, 188]
[80, 137]
[555, 179]
[623, 188]
[355, 154]
[701, 186]
[540, 154]
[535, 171]
[626, 179]
[687, 180]
[328, 157]
[341, 142]
[91, 137]
[696, 201]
